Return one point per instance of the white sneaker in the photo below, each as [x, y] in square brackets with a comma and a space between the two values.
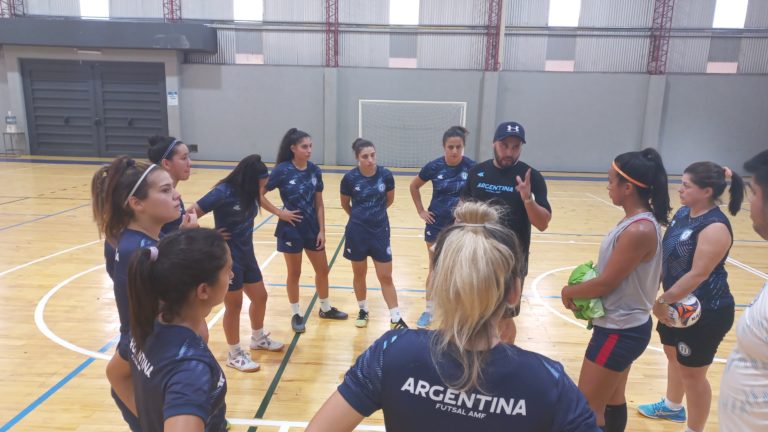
[242, 362]
[266, 343]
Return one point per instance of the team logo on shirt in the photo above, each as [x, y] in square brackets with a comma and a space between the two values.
[440, 177]
[686, 234]
[314, 181]
[463, 403]
[381, 187]
[464, 175]
[357, 188]
[481, 174]
[236, 207]
[293, 181]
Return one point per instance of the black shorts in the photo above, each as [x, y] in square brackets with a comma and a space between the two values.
[616, 349]
[696, 345]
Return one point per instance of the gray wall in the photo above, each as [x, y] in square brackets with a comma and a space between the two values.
[719, 118]
[233, 111]
[12, 74]
[573, 121]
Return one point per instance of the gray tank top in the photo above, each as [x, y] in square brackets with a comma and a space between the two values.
[630, 304]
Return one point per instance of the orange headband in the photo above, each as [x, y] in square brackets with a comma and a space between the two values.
[629, 179]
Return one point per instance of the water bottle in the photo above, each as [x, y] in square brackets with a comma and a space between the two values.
[10, 123]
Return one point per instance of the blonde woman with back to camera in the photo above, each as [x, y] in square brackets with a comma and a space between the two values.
[460, 376]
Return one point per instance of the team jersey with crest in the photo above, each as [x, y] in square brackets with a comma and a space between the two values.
[447, 183]
[176, 374]
[523, 390]
[369, 197]
[498, 186]
[297, 190]
[680, 243]
[229, 214]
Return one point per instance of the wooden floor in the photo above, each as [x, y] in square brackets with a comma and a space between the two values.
[58, 320]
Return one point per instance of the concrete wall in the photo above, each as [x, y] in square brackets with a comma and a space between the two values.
[11, 56]
[233, 111]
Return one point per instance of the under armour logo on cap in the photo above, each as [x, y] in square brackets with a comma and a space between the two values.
[508, 129]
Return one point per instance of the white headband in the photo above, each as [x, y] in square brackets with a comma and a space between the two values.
[170, 147]
[141, 179]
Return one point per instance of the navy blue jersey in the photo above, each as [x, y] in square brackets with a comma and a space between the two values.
[176, 224]
[498, 186]
[176, 374]
[679, 244]
[229, 214]
[297, 190]
[130, 241]
[369, 197]
[447, 182]
[109, 259]
[523, 390]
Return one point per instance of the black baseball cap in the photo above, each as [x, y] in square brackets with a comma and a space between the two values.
[508, 129]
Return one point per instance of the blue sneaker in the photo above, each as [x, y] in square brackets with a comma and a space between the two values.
[660, 411]
[424, 320]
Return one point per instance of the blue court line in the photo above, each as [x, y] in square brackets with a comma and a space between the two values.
[42, 217]
[263, 222]
[56, 387]
[31, 407]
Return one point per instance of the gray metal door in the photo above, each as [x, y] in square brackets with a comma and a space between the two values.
[93, 108]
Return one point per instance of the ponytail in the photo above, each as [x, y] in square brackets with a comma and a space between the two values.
[143, 299]
[293, 136]
[713, 176]
[645, 170]
[456, 131]
[736, 193]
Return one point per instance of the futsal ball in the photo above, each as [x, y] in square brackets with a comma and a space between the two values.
[686, 312]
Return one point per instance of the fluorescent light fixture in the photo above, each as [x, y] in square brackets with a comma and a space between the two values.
[85, 51]
[249, 10]
[404, 12]
[94, 8]
[730, 13]
[564, 13]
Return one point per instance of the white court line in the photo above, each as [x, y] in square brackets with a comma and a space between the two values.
[602, 200]
[43, 327]
[537, 295]
[19, 267]
[212, 322]
[743, 266]
[286, 425]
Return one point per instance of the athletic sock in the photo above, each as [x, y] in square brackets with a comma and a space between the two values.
[295, 309]
[672, 405]
[325, 304]
[234, 349]
[615, 418]
[363, 304]
[428, 309]
[394, 314]
[257, 334]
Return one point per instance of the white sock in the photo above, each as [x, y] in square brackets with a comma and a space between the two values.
[673, 406]
[257, 334]
[363, 304]
[428, 309]
[234, 349]
[394, 314]
[295, 309]
[325, 304]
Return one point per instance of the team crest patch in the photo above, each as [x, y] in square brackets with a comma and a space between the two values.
[686, 235]
[389, 250]
[464, 175]
[683, 349]
[381, 187]
[314, 181]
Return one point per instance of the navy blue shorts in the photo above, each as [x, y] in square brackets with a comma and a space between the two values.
[616, 349]
[697, 345]
[246, 271]
[361, 243]
[431, 231]
[291, 241]
[124, 346]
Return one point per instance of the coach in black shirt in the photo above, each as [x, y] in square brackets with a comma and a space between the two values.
[514, 186]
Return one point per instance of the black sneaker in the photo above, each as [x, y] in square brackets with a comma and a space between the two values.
[333, 314]
[297, 324]
[362, 319]
[398, 325]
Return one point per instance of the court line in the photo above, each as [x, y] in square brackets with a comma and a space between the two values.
[286, 425]
[42, 398]
[284, 363]
[45, 330]
[42, 217]
[16, 200]
[27, 264]
[538, 296]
